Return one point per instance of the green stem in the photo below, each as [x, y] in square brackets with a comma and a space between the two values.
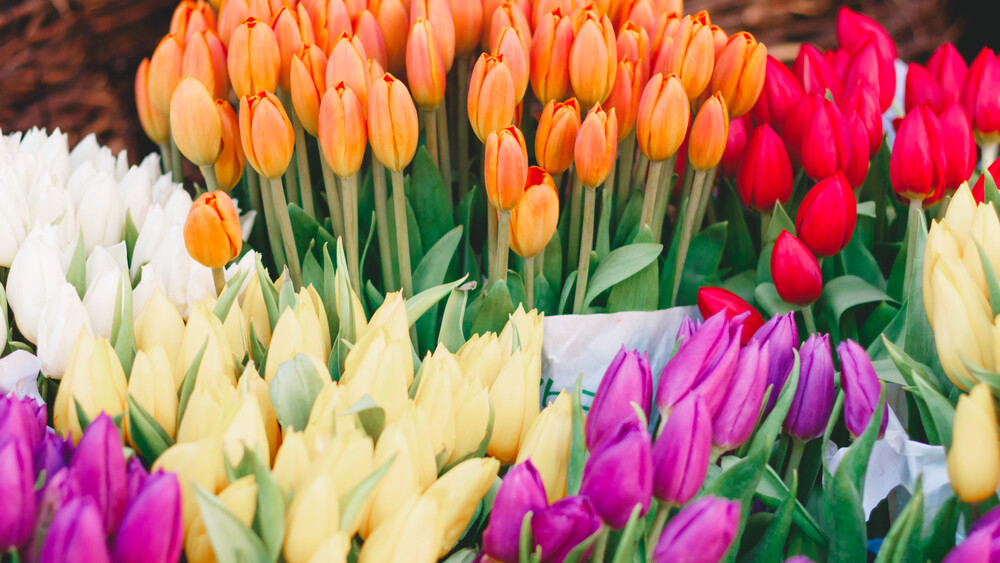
[698, 179]
[688, 181]
[176, 164]
[287, 235]
[706, 198]
[765, 224]
[623, 188]
[350, 193]
[659, 522]
[503, 245]
[807, 316]
[211, 182]
[444, 151]
[302, 162]
[431, 129]
[601, 545]
[586, 243]
[794, 459]
[463, 127]
[491, 247]
[254, 186]
[291, 181]
[382, 225]
[575, 206]
[402, 233]
[166, 158]
[912, 226]
[650, 196]
[641, 169]
[529, 282]
[663, 196]
[219, 277]
[333, 199]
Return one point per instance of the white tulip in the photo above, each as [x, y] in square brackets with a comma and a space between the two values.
[137, 193]
[163, 188]
[185, 281]
[52, 152]
[112, 258]
[149, 283]
[178, 206]
[100, 299]
[50, 205]
[151, 166]
[100, 212]
[14, 214]
[79, 180]
[62, 320]
[153, 231]
[34, 276]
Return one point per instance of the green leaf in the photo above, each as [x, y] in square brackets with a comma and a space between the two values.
[578, 442]
[228, 296]
[307, 231]
[992, 286]
[602, 242]
[269, 519]
[231, 541]
[702, 263]
[131, 235]
[902, 543]
[451, 334]
[767, 298]
[849, 291]
[430, 198]
[465, 555]
[347, 331]
[329, 294]
[431, 272]
[287, 298]
[772, 545]
[619, 265]
[918, 336]
[77, 273]
[576, 554]
[149, 436]
[552, 266]
[81, 415]
[370, 415]
[187, 386]
[780, 221]
[567, 291]
[525, 541]
[294, 389]
[312, 272]
[269, 293]
[773, 493]
[420, 303]
[125, 339]
[990, 192]
[740, 253]
[941, 536]
[640, 292]
[353, 500]
[496, 310]
[626, 544]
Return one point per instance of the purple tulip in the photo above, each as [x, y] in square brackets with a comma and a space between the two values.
[76, 535]
[19, 417]
[522, 491]
[861, 388]
[713, 382]
[627, 380]
[700, 533]
[682, 451]
[17, 493]
[813, 401]
[989, 521]
[977, 547]
[99, 465]
[736, 418]
[137, 478]
[782, 337]
[563, 526]
[799, 559]
[52, 453]
[686, 330]
[60, 488]
[619, 473]
[704, 360]
[152, 530]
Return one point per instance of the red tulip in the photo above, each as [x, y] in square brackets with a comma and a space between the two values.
[978, 191]
[922, 87]
[959, 146]
[797, 123]
[871, 65]
[736, 142]
[781, 92]
[853, 29]
[795, 271]
[765, 172]
[857, 167]
[980, 96]
[863, 101]
[815, 73]
[916, 167]
[827, 215]
[711, 300]
[826, 146]
[948, 68]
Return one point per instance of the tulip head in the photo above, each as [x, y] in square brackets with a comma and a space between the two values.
[153, 526]
[392, 123]
[691, 55]
[739, 73]
[515, 53]
[712, 300]
[195, 123]
[863, 101]
[458, 493]
[917, 162]
[682, 451]
[549, 64]
[520, 492]
[506, 168]
[368, 32]
[619, 473]
[633, 45]
[826, 141]
[559, 528]
[546, 444]
[974, 456]
[922, 87]
[703, 530]
[556, 134]
[959, 146]
[151, 386]
[348, 63]
[624, 98]
[534, 219]
[782, 338]
[308, 84]
[425, 67]
[764, 177]
[491, 96]
[627, 380]
[663, 117]
[468, 21]
[212, 232]
[816, 73]
[794, 271]
[99, 465]
[17, 476]
[266, 133]
[231, 162]
[780, 94]
[593, 58]
[736, 418]
[165, 72]
[76, 534]
[736, 144]
[253, 59]
[94, 380]
[438, 13]
[154, 124]
[205, 60]
[827, 215]
[343, 132]
[861, 388]
[868, 64]
[708, 134]
[709, 350]
[596, 146]
[813, 401]
[948, 68]
[292, 29]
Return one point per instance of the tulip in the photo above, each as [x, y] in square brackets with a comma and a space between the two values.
[34, 278]
[392, 123]
[691, 56]
[627, 380]
[764, 177]
[663, 117]
[739, 73]
[624, 97]
[205, 60]
[515, 397]
[254, 59]
[411, 533]
[515, 54]
[231, 162]
[468, 21]
[240, 499]
[961, 318]
[506, 168]
[137, 479]
[827, 215]
[712, 300]
[977, 546]
[60, 488]
[195, 123]
[212, 232]
[458, 493]
[471, 411]
[152, 528]
[556, 135]
[191, 17]
[917, 163]
[700, 533]
[266, 133]
[596, 146]
[534, 219]
[736, 418]
[230, 16]
[736, 144]
[507, 14]
[196, 462]
[813, 401]
[370, 35]
[99, 465]
[401, 481]
[23, 419]
[292, 29]
[861, 388]
[550, 55]
[298, 331]
[165, 72]
[780, 94]
[394, 21]
[948, 68]
[307, 80]
[593, 58]
[816, 74]
[94, 380]
[921, 87]
[857, 131]
[348, 63]
[863, 101]
[205, 330]
[619, 474]
[633, 46]
[681, 452]
[482, 357]
[312, 516]
[154, 124]
[974, 456]
[161, 325]
[521, 492]
[704, 352]
[868, 65]
[62, 320]
[151, 386]
[343, 135]
[782, 337]
[425, 66]
[561, 527]
[17, 480]
[857, 32]
[708, 134]
[491, 96]
[826, 144]
[959, 146]
[52, 453]
[794, 271]
[547, 445]
[76, 534]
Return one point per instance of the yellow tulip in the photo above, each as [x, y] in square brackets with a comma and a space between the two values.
[324, 422]
[297, 331]
[515, 396]
[411, 535]
[234, 327]
[195, 462]
[313, 515]
[984, 231]
[400, 483]
[414, 425]
[334, 549]
[959, 214]
[161, 324]
[252, 303]
[375, 367]
[547, 445]
[205, 329]
[151, 385]
[529, 332]
[349, 459]
[435, 396]
[244, 428]
[310, 296]
[458, 493]
[480, 357]
[240, 497]
[962, 321]
[94, 378]
[472, 417]
[206, 412]
[974, 457]
[250, 382]
[941, 244]
[291, 461]
[391, 316]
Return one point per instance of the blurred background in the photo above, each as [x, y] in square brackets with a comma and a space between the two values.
[71, 63]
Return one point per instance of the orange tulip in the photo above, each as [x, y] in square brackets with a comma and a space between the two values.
[254, 60]
[195, 123]
[395, 24]
[666, 27]
[692, 56]
[349, 63]
[230, 17]
[392, 123]
[633, 45]
[593, 58]
[317, 10]
[190, 18]
[165, 72]
[155, 124]
[596, 146]
[291, 30]
[624, 98]
[739, 73]
[343, 133]
[438, 14]
[205, 60]
[505, 170]
[212, 232]
[546, 7]
[366, 28]
[719, 40]
[511, 47]
[674, 7]
[555, 136]
[468, 19]
[424, 66]
[506, 14]
[355, 7]
[533, 221]
[337, 20]
[550, 57]
[266, 134]
[308, 82]
[663, 117]
[265, 10]
[642, 14]
[491, 96]
[229, 166]
[708, 134]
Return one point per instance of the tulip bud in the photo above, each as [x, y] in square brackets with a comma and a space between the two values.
[534, 219]
[736, 418]
[507, 14]
[624, 97]
[794, 271]
[515, 54]
[161, 325]
[298, 331]
[826, 143]
[394, 21]
[782, 337]
[99, 466]
[230, 16]
[739, 73]
[425, 68]
[564, 525]
[401, 481]
[917, 163]
[204, 329]
[619, 473]
[94, 379]
[682, 451]
[700, 354]
[764, 177]
[343, 133]
[596, 146]
[813, 401]
[254, 59]
[521, 491]
[977, 546]
[515, 396]
[292, 29]
[348, 63]
[205, 60]
[368, 32]
[550, 52]
[337, 18]
[780, 94]
[974, 456]
[458, 493]
[76, 534]
[663, 117]
[240, 499]
[468, 21]
[948, 68]
[313, 515]
[857, 131]
[712, 300]
[863, 101]
[17, 486]
[392, 123]
[826, 217]
[212, 231]
[736, 144]
[154, 124]
[195, 123]
[708, 134]
[868, 65]
[308, 84]
[692, 56]
[411, 533]
[701, 531]
[165, 72]
[633, 45]
[854, 31]
[593, 58]
[491, 96]
[959, 146]
[51, 454]
[231, 161]
[556, 135]
[546, 444]
[816, 73]
[861, 388]
[192, 17]
[506, 168]
[266, 134]
[920, 88]
[153, 526]
[627, 380]
[151, 386]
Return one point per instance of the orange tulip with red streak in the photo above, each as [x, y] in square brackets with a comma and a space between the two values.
[349, 63]
[343, 131]
[546, 7]
[719, 40]
[366, 29]
[266, 10]
[191, 17]
[266, 134]
[438, 13]
[666, 27]
[205, 60]
[194, 122]
[468, 19]
[663, 116]
[534, 219]
[510, 46]
[505, 170]
[642, 14]
[392, 123]
[254, 60]
[556, 134]
[624, 98]
[692, 56]
[230, 17]
[291, 28]
[316, 9]
[491, 96]
[550, 47]
[337, 19]
[593, 58]
[395, 24]
[212, 232]
[425, 66]
[596, 146]
[490, 8]
[155, 124]
[739, 73]
[633, 45]
[308, 82]
[229, 166]
[708, 134]
[508, 14]
[165, 71]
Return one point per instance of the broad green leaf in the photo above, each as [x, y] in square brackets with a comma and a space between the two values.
[780, 221]
[772, 545]
[902, 544]
[578, 442]
[918, 336]
[701, 266]
[773, 493]
[131, 235]
[451, 334]
[430, 199]
[125, 339]
[626, 544]
[850, 291]
[619, 265]
[495, 311]
[420, 303]
[370, 415]
[187, 386]
[228, 296]
[767, 298]
[429, 273]
[231, 541]
[149, 436]
[941, 536]
[294, 389]
[740, 253]
[269, 519]
[269, 293]
[353, 500]
[307, 231]
[640, 292]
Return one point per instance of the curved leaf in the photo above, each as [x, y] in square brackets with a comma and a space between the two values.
[619, 265]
